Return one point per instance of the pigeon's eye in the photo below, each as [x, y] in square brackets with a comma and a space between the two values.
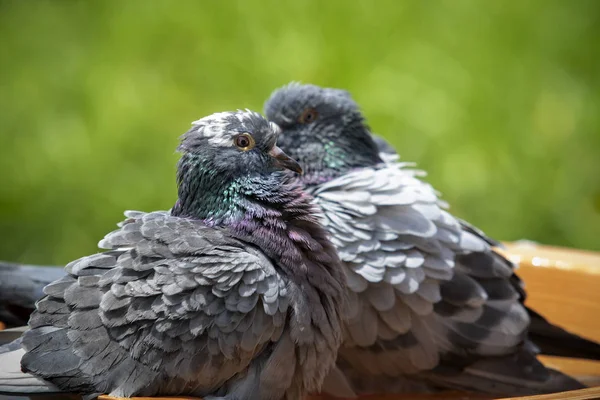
[308, 116]
[244, 141]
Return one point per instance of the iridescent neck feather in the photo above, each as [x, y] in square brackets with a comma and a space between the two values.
[270, 211]
[330, 152]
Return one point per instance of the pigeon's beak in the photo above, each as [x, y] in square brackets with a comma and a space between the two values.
[284, 161]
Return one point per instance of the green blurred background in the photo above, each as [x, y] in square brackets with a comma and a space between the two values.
[498, 100]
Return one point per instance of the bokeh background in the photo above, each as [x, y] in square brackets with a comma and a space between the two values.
[498, 100]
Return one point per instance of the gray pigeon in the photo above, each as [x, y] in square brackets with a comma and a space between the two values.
[431, 301]
[234, 293]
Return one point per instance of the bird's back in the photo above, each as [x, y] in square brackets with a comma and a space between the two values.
[431, 298]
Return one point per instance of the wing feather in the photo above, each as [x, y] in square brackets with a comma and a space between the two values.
[170, 295]
[417, 271]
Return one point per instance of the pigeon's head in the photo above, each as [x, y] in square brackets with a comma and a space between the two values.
[323, 129]
[234, 143]
[226, 156]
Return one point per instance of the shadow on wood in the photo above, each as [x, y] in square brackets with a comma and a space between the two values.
[584, 394]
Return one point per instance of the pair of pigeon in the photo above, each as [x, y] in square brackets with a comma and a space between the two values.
[328, 267]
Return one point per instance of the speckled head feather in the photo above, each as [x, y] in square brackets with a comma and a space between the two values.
[219, 130]
[221, 155]
[322, 128]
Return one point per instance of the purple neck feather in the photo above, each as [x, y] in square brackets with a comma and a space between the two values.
[283, 222]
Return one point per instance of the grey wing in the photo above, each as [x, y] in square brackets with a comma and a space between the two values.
[396, 243]
[173, 308]
[426, 292]
[549, 338]
[20, 287]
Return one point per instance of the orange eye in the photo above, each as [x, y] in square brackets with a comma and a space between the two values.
[308, 116]
[244, 141]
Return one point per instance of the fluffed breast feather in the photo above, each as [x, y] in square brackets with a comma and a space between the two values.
[171, 298]
[424, 285]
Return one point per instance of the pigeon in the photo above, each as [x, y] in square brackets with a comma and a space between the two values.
[20, 287]
[236, 292]
[432, 304]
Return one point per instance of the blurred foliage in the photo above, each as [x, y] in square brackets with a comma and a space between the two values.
[498, 100]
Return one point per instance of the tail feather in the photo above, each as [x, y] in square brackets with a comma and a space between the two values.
[520, 374]
[556, 341]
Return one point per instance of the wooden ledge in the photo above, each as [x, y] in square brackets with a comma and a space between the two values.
[553, 257]
[105, 397]
[562, 284]
[583, 394]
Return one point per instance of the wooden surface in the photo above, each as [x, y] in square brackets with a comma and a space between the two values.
[584, 394]
[104, 397]
[562, 284]
[574, 367]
